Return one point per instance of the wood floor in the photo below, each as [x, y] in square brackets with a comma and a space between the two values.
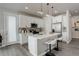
[71, 49]
[13, 50]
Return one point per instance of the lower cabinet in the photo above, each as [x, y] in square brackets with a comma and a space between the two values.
[38, 47]
[23, 38]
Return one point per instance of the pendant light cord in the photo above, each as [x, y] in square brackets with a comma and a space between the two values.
[52, 10]
[41, 7]
[48, 8]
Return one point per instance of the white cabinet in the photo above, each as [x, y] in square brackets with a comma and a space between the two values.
[56, 23]
[66, 27]
[57, 19]
[23, 38]
[32, 45]
[48, 24]
[26, 20]
[54, 20]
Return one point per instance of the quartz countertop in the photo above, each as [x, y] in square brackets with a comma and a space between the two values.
[41, 36]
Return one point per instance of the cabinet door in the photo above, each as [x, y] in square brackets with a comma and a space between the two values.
[57, 27]
[59, 19]
[32, 45]
[54, 20]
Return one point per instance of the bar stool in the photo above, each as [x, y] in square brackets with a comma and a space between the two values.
[49, 53]
[58, 40]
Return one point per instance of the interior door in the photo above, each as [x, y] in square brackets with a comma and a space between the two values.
[12, 29]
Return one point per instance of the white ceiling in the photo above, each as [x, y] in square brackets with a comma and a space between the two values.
[34, 7]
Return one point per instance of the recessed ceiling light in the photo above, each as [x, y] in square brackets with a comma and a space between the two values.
[40, 12]
[26, 8]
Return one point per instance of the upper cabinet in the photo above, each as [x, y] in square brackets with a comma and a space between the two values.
[57, 19]
[54, 20]
[26, 20]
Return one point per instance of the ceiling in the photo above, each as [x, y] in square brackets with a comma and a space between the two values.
[58, 8]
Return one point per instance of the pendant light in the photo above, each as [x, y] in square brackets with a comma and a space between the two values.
[52, 10]
[47, 9]
[52, 20]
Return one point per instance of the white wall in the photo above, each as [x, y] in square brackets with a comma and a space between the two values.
[75, 34]
[47, 25]
[26, 20]
[3, 24]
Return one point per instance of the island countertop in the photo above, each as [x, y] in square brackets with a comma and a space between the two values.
[42, 36]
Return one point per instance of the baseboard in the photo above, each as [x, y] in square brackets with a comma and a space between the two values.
[2, 46]
[8, 44]
[23, 43]
[15, 42]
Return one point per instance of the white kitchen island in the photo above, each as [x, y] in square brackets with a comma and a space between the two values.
[36, 43]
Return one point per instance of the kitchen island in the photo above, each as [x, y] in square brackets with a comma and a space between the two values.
[36, 43]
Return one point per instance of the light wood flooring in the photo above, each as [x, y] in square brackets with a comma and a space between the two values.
[71, 49]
